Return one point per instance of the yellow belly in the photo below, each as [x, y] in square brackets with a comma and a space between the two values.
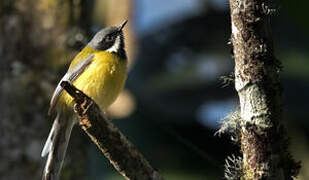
[102, 80]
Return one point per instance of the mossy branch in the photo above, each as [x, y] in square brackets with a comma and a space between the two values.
[121, 153]
[262, 136]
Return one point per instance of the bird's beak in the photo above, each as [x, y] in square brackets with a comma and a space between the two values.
[120, 27]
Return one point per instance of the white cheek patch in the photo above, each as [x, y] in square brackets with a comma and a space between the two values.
[115, 46]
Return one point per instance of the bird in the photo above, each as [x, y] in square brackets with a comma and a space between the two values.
[100, 71]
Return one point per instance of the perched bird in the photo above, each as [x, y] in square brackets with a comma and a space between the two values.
[100, 71]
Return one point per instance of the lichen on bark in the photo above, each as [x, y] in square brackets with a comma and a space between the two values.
[263, 138]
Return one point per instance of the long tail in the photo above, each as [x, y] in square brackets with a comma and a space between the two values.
[56, 146]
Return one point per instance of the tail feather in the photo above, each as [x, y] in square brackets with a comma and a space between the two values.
[47, 146]
[56, 146]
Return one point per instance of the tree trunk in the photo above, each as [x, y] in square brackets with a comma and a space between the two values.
[263, 141]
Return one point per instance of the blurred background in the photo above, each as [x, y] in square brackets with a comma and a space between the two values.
[174, 98]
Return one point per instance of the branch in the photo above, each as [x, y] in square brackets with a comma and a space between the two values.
[263, 139]
[121, 153]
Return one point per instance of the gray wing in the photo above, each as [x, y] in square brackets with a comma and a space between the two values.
[70, 76]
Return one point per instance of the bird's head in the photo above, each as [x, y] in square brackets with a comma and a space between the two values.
[109, 39]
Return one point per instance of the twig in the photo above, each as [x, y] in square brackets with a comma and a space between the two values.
[121, 153]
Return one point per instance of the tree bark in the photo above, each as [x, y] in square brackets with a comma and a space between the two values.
[121, 153]
[263, 140]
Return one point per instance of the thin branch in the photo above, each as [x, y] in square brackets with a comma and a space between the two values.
[121, 153]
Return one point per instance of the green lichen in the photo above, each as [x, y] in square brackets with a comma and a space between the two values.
[231, 125]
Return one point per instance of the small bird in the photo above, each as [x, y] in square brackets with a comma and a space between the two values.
[100, 71]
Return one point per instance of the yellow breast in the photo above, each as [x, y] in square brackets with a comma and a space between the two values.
[102, 80]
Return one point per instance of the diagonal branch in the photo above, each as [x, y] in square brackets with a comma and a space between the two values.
[121, 153]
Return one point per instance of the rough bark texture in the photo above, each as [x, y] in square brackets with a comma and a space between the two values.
[121, 153]
[263, 141]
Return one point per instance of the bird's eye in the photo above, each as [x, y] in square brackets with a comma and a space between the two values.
[109, 38]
